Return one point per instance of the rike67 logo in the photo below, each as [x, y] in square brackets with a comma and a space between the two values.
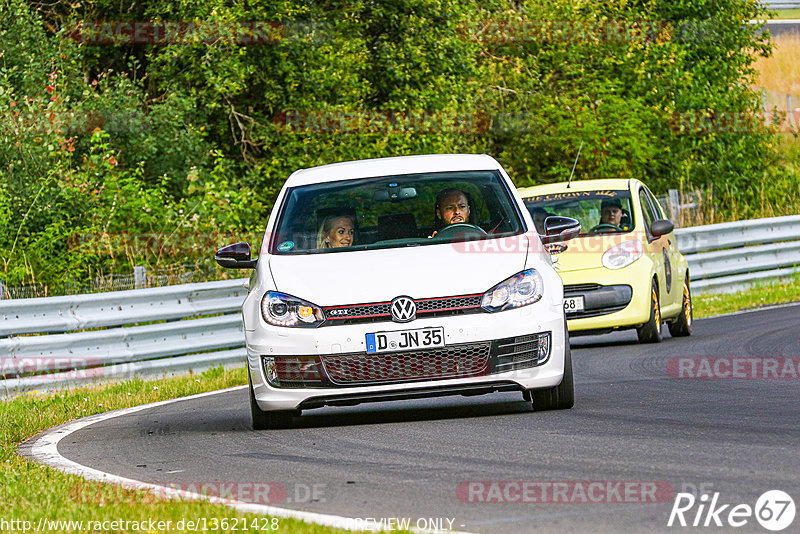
[774, 510]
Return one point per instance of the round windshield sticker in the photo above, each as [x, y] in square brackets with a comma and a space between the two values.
[286, 245]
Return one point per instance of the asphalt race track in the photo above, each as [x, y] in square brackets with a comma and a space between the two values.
[632, 422]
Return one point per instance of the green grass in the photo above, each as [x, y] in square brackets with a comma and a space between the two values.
[787, 14]
[29, 491]
[758, 296]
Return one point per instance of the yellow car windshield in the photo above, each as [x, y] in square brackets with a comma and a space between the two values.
[599, 212]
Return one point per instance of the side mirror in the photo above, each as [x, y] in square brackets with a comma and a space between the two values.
[558, 229]
[661, 227]
[236, 256]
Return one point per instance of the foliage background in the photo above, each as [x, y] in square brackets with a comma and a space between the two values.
[184, 140]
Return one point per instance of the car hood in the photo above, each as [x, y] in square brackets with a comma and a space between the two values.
[380, 275]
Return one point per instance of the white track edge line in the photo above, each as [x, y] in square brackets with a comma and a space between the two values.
[45, 450]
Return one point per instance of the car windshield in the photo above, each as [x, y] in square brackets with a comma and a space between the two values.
[395, 211]
[599, 212]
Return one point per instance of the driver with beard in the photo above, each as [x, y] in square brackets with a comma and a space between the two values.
[452, 207]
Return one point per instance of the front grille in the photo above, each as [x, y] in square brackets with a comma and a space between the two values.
[449, 303]
[579, 288]
[381, 311]
[364, 311]
[454, 361]
[599, 299]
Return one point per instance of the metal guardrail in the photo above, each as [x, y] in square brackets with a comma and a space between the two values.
[75, 312]
[781, 4]
[100, 337]
[727, 257]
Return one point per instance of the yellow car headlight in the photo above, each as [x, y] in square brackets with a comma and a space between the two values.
[622, 255]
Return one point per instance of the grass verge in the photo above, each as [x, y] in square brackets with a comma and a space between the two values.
[780, 14]
[758, 296]
[33, 492]
[779, 71]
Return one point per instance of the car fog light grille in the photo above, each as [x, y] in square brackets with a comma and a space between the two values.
[293, 372]
[520, 352]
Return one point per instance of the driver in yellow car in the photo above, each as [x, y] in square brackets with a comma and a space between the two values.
[611, 212]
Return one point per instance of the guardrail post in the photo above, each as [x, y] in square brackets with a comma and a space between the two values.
[674, 206]
[139, 277]
[2, 290]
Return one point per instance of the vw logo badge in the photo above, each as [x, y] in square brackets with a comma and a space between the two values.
[403, 310]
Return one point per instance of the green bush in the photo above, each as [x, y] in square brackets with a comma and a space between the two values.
[186, 144]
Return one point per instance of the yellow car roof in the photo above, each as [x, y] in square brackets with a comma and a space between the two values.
[615, 184]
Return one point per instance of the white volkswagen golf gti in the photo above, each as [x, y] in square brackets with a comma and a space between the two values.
[401, 278]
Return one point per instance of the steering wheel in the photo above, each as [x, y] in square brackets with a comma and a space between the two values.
[453, 229]
[606, 226]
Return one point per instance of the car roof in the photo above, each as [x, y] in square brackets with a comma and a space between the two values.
[392, 166]
[614, 184]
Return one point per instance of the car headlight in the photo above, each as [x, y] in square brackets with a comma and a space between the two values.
[520, 290]
[622, 255]
[280, 309]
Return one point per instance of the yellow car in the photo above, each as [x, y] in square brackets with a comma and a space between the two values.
[624, 269]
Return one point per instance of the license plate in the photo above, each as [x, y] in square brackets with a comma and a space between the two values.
[573, 304]
[405, 340]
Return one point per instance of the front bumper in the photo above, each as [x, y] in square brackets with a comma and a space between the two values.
[599, 299]
[350, 340]
[612, 299]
